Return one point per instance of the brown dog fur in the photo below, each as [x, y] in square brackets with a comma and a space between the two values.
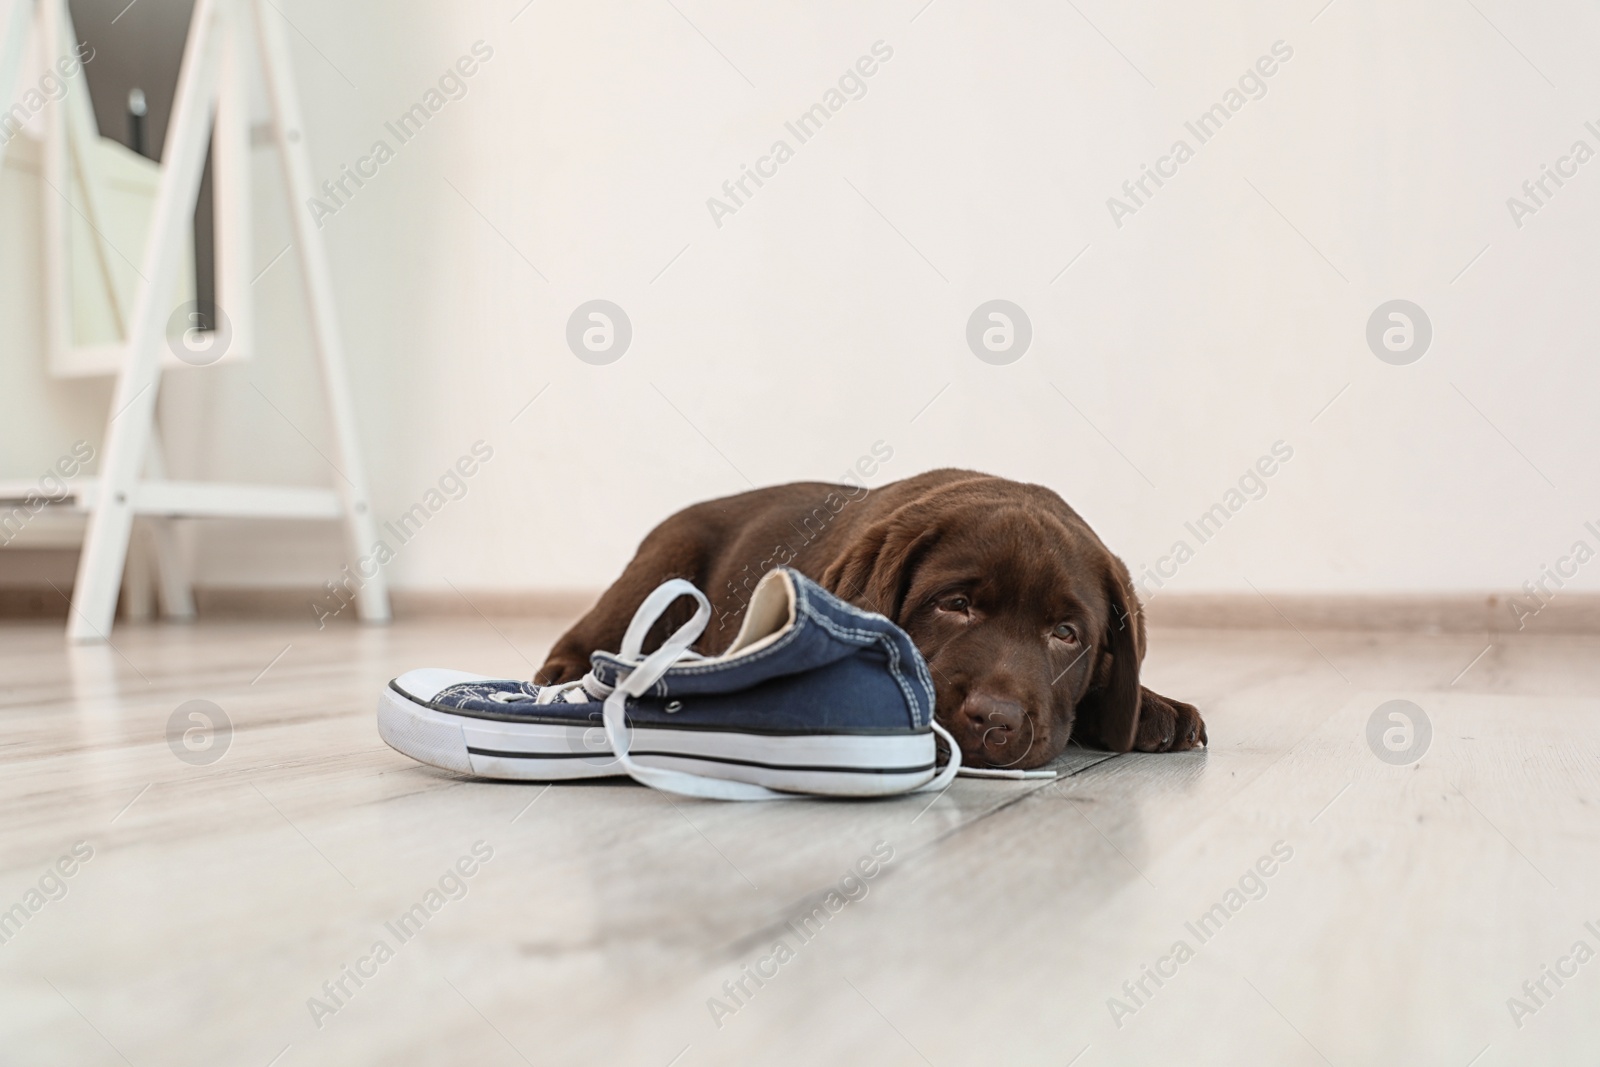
[1031, 627]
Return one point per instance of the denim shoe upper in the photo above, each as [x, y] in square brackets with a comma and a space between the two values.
[804, 661]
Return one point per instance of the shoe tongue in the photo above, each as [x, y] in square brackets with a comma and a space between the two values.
[771, 611]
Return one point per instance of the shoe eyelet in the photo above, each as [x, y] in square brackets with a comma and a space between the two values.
[673, 707]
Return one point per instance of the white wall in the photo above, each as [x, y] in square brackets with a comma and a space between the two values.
[806, 328]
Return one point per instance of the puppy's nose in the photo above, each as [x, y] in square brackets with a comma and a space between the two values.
[994, 720]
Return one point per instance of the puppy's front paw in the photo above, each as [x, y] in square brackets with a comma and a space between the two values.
[1167, 725]
[558, 669]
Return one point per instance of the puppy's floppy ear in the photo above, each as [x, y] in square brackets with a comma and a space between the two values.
[875, 569]
[1108, 715]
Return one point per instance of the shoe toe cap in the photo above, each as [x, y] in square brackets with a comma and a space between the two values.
[428, 682]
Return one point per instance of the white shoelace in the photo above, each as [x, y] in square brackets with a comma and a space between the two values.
[572, 692]
[645, 673]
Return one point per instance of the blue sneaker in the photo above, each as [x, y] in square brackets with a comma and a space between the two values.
[814, 696]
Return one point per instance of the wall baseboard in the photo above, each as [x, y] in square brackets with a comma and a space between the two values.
[565, 604]
[1451, 613]
[30, 601]
[1568, 613]
[406, 603]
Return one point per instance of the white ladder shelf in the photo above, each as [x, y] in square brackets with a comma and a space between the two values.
[130, 480]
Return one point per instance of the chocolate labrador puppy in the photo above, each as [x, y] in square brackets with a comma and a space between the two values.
[1029, 624]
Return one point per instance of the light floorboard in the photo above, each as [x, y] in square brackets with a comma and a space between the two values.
[220, 898]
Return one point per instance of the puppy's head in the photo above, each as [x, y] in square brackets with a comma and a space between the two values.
[1028, 623]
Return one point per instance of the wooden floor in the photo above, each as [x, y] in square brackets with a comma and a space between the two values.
[222, 905]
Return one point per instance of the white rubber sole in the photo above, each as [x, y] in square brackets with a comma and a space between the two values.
[847, 765]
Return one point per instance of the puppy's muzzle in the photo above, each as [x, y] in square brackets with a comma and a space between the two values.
[993, 729]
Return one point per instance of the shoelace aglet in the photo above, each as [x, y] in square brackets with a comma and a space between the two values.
[993, 772]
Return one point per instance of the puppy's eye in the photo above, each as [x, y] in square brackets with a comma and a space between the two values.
[958, 604]
[1065, 631]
